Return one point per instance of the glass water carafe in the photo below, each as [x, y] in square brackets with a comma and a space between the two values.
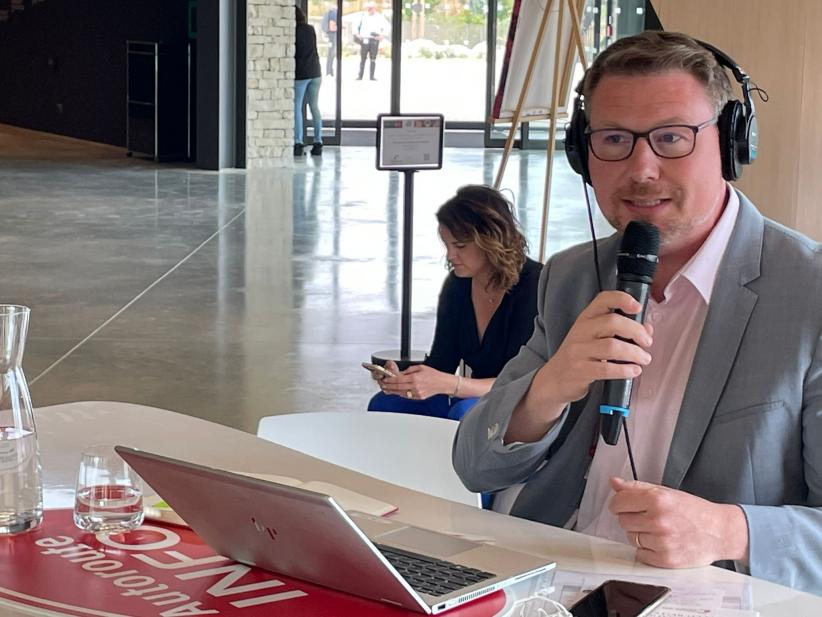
[21, 488]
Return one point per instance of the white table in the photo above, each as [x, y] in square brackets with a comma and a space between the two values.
[65, 429]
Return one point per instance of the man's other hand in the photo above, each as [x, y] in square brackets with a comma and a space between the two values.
[674, 529]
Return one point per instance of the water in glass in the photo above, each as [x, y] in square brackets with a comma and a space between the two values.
[21, 502]
[108, 508]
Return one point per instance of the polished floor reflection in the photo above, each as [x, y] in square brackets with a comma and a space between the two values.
[231, 296]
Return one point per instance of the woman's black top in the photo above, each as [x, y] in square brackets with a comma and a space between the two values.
[456, 337]
[306, 59]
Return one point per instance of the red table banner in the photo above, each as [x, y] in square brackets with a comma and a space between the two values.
[164, 571]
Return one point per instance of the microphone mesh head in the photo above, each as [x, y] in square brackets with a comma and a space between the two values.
[640, 240]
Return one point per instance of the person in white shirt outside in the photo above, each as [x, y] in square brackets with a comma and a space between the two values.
[372, 29]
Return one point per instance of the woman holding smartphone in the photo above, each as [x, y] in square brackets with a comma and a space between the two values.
[485, 312]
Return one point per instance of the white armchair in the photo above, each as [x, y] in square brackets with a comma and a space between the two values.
[405, 449]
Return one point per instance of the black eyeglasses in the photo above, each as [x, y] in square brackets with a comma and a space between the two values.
[673, 141]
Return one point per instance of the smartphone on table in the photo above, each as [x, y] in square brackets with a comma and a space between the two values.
[376, 368]
[620, 598]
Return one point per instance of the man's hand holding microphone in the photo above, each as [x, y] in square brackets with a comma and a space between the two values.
[607, 342]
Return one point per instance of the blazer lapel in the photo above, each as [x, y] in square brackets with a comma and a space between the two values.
[731, 306]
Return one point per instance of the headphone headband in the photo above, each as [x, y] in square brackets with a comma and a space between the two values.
[725, 60]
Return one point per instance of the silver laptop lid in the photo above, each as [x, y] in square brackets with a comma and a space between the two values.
[288, 530]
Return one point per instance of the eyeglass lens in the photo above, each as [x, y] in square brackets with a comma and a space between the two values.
[666, 141]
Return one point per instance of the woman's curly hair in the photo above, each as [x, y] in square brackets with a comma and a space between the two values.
[481, 214]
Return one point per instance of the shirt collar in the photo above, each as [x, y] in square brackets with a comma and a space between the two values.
[701, 269]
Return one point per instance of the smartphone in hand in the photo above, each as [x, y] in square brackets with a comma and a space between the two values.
[376, 368]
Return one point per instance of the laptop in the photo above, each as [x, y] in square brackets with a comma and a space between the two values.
[306, 535]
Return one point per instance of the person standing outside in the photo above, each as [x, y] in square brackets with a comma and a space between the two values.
[329, 26]
[370, 31]
[307, 80]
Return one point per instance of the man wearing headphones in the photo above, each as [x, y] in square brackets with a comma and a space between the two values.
[726, 414]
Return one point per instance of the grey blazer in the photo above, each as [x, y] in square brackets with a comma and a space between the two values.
[749, 430]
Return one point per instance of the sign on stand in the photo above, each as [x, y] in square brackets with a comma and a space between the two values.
[407, 143]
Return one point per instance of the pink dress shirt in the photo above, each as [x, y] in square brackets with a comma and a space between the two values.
[658, 392]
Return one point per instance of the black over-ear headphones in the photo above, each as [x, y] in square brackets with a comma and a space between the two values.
[738, 131]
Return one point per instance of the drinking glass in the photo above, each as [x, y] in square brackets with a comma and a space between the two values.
[21, 487]
[109, 496]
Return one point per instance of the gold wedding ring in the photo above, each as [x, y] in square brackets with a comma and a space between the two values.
[409, 394]
[637, 542]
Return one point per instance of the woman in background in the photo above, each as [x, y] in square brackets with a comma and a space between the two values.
[307, 79]
[485, 312]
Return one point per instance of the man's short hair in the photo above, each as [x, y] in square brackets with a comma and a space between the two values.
[652, 52]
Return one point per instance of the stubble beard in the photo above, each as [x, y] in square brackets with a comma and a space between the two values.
[671, 229]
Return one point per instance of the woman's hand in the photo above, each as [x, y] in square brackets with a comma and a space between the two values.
[418, 382]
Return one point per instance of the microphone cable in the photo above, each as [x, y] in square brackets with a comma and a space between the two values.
[599, 286]
[630, 451]
[593, 234]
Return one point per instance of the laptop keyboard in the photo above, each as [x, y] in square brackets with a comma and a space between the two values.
[430, 575]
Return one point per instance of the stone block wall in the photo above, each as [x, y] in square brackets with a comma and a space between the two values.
[270, 83]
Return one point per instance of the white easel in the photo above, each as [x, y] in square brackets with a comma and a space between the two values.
[551, 116]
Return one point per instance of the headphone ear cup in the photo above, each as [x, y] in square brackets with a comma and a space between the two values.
[728, 126]
[748, 140]
[576, 142]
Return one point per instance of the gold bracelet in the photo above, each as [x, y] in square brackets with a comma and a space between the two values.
[459, 385]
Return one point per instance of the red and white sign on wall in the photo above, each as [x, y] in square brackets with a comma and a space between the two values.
[159, 571]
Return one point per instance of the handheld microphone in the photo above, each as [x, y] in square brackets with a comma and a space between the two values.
[636, 265]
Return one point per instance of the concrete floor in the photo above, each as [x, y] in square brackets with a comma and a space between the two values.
[230, 296]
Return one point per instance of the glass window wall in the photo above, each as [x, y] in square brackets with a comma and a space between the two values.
[444, 58]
